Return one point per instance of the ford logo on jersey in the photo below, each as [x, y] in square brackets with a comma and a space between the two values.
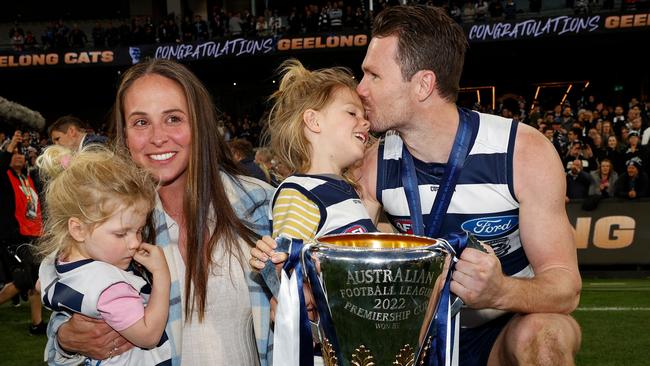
[491, 226]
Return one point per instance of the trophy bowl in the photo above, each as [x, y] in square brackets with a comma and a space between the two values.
[379, 294]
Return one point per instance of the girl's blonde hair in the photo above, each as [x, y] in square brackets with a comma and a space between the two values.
[300, 90]
[90, 185]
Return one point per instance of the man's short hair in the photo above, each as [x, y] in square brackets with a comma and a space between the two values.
[428, 39]
[63, 123]
[242, 146]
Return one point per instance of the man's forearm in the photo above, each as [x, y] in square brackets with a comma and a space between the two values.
[555, 290]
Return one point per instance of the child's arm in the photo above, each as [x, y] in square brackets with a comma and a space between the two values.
[147, 331]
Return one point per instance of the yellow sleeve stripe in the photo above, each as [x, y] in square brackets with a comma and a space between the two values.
[298, 202]
[295, 215]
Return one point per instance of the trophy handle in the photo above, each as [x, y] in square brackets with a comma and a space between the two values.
[461, 241]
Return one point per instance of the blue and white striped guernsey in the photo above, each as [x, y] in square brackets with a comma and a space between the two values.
[483, 202]
[341, 209]
[76, 287]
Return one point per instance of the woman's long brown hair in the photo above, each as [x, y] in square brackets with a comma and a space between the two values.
[205, 191]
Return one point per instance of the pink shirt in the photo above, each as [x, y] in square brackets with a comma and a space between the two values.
[120, 306]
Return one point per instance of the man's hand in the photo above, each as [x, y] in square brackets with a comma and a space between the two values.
[91, 337]
[16, 140]
[478, 278]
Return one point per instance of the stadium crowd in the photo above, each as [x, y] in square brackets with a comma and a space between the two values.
[319, 16]
[585, 132]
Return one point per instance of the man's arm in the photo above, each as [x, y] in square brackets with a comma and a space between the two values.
[546, 235]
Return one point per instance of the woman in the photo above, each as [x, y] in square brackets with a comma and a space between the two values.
[603, 180]
[206, 217]
[614, 154]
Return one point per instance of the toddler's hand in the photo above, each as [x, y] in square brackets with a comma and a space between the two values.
[152, 258]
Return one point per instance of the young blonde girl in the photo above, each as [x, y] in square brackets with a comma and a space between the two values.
[97, 205]
[318, 130]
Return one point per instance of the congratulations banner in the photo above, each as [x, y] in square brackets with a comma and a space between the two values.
[556, 26]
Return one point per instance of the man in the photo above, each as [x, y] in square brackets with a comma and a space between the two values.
[20, 214]
[634, 184]
[68, 131]
[242, 151]
[519, 293]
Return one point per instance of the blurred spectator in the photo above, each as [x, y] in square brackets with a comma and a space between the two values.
[482, 7]
[218, 22]
[636, 125]
[264, 159]
[247, 23]
[566, 119]
[30, 40]
[579, 151]
[68, 131]
[242, 151]
[187, 30]
[235, 24]
[149, 35]
[618, 119]
[18, 42]
[603, 180]
[469, 12]
[633, 147]
[295, 20]
[645, 137]
[200, 29]
[275, 23]
[324, 19]
[261, 27]
[20, 214]
[614, 154]
[455, 12]
[335, 17]
[577, 181]
[633, 184]
[15, 29]
[77, 37]
[606, 130]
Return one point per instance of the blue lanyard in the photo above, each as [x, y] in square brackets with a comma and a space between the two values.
[457, 156]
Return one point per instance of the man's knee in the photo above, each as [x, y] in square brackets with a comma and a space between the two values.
[542, 339]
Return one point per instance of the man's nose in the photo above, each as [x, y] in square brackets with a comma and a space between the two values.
[361, 88]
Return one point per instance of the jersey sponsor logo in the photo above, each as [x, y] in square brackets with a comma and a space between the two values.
[356, 229]
[491, 226]
[404, 226]
[501, 246]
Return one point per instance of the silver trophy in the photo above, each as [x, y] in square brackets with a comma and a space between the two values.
[376, 295]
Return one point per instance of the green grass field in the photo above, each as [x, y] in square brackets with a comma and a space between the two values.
[614, 315]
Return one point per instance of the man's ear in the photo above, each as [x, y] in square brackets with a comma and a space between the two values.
[425, 84]
[77, 229]
[310, 117]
